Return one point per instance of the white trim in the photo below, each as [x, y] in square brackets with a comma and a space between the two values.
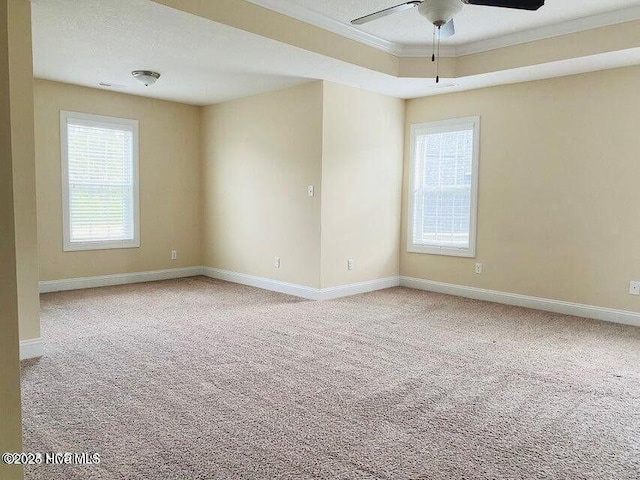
[109, 122]
[358, 288]
[425, 51]
[264, 283]
[540, 33]
[449, 125]
[234, 277]
[549, 31]
[321, 21]
[31, 348]
[557, 306]
[303, 291]
[34, 347]
[49, 286]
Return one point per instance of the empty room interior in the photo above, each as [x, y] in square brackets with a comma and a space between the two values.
[278, 239]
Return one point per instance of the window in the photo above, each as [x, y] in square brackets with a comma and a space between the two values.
[99, 182]
[444, 187]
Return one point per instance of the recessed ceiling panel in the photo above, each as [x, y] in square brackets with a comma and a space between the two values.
[473, 24]
[94, 42]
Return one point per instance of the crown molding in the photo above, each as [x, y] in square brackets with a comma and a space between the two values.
[348, 31]
[326, 23]
[548, 31]
[424, 51]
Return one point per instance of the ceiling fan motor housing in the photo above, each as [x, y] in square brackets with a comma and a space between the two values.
[439, 12]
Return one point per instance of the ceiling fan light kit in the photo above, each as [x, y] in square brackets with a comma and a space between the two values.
[441, 12]
[145, 77]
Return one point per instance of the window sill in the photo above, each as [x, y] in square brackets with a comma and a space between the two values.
[449, 252]
[82, 246]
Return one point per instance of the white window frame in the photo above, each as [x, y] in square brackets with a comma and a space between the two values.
[443, 126]
[99, 121]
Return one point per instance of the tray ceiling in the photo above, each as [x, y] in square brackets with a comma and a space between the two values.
[473, 24]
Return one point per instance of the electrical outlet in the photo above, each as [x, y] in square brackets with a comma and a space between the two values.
[310, 190]
[174, 254]
[350, 264]
[478, 268]
[634, 288]
[276, 262]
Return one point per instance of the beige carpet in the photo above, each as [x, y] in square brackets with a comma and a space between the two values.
[202, 379]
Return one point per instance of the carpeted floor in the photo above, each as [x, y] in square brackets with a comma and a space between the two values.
[202, 379]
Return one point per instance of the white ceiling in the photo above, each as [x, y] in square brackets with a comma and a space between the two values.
[473, 24]
[203, 62]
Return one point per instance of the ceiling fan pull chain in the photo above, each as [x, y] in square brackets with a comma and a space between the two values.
[438, 62]
[433, 44]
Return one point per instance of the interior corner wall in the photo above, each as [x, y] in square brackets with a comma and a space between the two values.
[170, 182]
[259, 155]
[363, 145]
[24, 168]
[558, 189]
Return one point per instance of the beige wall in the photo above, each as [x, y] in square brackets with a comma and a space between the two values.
[361, 184]
[170, 182]
[260, 154]
[556, 197]
[12, 12]
[24, 169]
[559, 170]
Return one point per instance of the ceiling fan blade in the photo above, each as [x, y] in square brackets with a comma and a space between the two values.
[519, 4]
[448, 29]
[385, 12]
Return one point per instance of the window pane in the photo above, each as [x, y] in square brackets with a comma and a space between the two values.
[100, 213]
[101, 182]
[442, 195]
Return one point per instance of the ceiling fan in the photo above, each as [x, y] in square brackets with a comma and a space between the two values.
[441, 12]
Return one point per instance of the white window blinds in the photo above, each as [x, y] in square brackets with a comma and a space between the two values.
[444, 186]
[100, 169]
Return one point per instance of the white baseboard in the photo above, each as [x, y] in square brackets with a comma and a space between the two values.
[32, 348]
[546, 304]
[264, 283]
[117, 279]
[235, 277]
[301, 290]
[357, 288]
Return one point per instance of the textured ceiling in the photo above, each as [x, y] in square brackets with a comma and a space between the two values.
[203, 62]
[473, 24]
